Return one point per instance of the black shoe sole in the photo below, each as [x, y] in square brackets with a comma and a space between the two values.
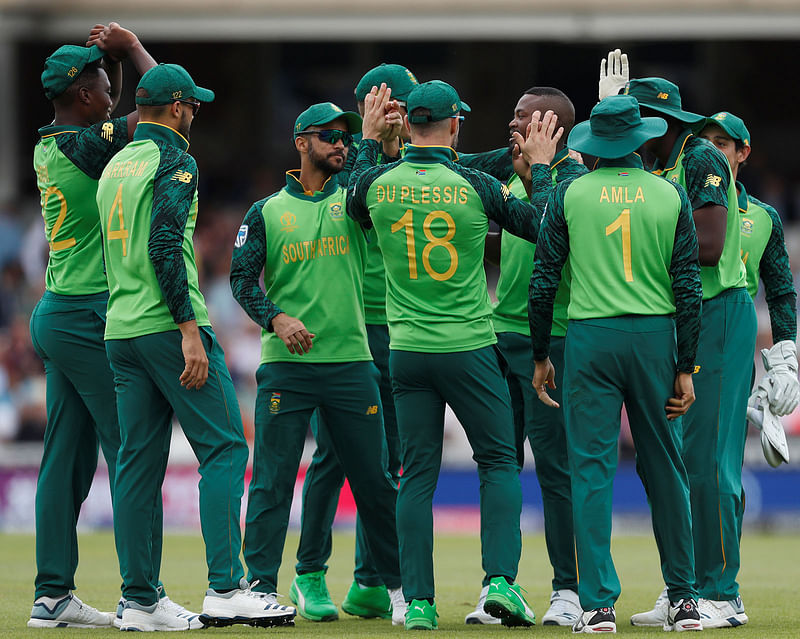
[261, 622]
[506, 618]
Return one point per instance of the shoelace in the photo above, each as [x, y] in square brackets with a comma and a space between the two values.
[85, 612]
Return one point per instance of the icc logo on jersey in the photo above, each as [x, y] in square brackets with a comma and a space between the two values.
[288, 222]
[241, 236]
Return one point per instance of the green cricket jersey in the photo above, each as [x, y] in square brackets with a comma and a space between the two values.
[68, 161]
[516, 254]
[147, 197]
[431, 216]
[313, 257]
[765, 258]
[704, 172]
[632, 246]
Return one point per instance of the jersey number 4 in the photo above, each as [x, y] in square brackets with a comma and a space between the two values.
[406, 223]
[121, 233]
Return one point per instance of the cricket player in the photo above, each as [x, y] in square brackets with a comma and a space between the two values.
[431, 216]
[715, 428]
[162, 352]
[84, 85]
[542, 426]
[314, 353]
[367, 596]
[632, 250]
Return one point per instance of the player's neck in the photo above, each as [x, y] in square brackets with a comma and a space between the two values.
[312, 178]
[70, 117]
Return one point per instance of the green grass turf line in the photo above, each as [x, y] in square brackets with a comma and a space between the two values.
[769, 581]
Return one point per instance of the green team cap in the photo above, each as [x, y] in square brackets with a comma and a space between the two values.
[166, 83]
[663, 96]
[614, 129]
[64, 65]
[324, 112]
[397, 77]
[732, 125]
[438, 97]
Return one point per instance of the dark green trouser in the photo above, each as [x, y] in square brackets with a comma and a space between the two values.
[347, 398]
[146, 373]
[325, 477]
[715, 429]
[472, 383]
[544, 428]
[628, 359]
[67, 333]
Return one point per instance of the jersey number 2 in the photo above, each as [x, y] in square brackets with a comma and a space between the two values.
[406, 222]
[62, 215]
[623, 224]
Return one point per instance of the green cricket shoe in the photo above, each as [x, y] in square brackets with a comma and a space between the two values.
[310, 594]
[421, 615]
[506, 602]
[367, 601]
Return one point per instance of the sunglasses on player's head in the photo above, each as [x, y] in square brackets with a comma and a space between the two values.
[331, 136]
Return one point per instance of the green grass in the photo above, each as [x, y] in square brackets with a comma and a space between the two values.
[769, 581]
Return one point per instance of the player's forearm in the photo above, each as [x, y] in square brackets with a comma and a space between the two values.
[783, 317]
[247, 292]
[166, 256]
[688, 294]
[141, 59]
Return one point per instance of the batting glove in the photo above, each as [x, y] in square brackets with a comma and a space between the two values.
[617, 76]
[780, 361]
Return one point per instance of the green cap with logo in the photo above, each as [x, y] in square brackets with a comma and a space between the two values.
[615, 128]
[397, 77]
[732, 125]
[166, 83]
[64, 65]
[324, 112]
[439, 98]
[663, 96]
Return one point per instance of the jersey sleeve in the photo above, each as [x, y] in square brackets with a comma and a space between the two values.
[517, 217]
[91, 148]
[496, 163]
[365, 172]
[776, 273]
[172, 203]
[247, 262]
[551, 253]
[708, 175]
[542, 179]
[686, 287]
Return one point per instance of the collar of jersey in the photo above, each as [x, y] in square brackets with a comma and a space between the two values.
[296, 188]
[677, 150]
[429, 154]
[630, 161]
[160, 133]
[743, 202]
[559, 157]
[55, 129]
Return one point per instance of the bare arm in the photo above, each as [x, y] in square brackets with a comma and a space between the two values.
[710, 221]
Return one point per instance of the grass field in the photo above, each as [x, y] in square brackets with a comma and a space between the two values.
[770, 579]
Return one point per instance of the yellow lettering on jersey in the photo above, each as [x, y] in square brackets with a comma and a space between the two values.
[436, 195]
[404, 193]
[42, 173]
[386, 193]
[604, 195]
[462, 195]
[639, 197]
[426, 195]
[285, 255]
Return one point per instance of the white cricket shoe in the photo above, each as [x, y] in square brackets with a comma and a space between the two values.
[565, 609]
[245, 605]
[157, 617]
[722, 614]
[399, 606]
[597, 620]
[683, 616]
[479, 616]
[67, 612]
[655, 617]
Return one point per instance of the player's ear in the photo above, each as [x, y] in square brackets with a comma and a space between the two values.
[301, 144]
[743, 153]
[84, 95]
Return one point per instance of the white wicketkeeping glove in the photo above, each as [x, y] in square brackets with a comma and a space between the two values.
[617, 76]
[780, 361]
[773, 439]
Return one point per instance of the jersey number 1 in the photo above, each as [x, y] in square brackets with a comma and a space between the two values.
[623, 223]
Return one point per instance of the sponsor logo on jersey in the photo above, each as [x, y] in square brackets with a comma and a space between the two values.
[182, 176]
[747, 226]
[288, 222]
[712, 180]
[107, 131]
[336, 210]
[421, 171]
[275, 403]
[241, 236]
[372, 410]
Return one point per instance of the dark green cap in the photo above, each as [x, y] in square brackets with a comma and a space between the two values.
[732, 125]
[438, 97]
[64, 65]
[399, 79]
[615, 128]
[166, 83]
[324, 112]
[663, 96]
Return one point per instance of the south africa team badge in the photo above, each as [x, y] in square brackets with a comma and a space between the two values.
[275, 403]
[336, 210]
